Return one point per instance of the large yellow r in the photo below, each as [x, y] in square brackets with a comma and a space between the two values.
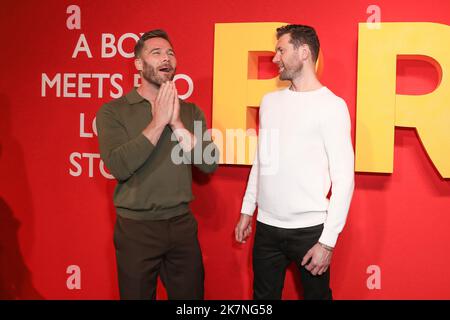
[380, 109]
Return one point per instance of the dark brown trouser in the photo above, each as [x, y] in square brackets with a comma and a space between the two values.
[169, 248]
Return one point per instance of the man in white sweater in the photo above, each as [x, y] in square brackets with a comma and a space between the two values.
[292, 174]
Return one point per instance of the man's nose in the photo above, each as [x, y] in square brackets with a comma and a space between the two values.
[275, 59]
[165, 57]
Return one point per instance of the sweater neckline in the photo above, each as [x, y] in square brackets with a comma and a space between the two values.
[306, 93]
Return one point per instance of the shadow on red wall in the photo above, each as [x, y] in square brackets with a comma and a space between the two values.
[15, 277]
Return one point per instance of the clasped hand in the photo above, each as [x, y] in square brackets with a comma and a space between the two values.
[166, 107]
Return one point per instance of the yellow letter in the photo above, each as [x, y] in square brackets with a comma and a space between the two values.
[380, 109]
[236, 87]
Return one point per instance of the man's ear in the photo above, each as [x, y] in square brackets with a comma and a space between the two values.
[305, 52]
[138, 64]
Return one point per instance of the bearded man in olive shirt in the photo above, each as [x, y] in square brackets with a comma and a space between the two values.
[142, 137]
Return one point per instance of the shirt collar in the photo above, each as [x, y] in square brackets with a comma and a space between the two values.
[134, 97]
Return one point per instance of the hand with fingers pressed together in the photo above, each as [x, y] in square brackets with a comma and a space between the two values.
[163, 107]
[186, 139]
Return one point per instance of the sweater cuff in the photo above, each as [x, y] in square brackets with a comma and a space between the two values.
[328, 238]
[143, 141]
[248, 208]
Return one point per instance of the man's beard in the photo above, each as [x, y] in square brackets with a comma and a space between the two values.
[290, 74]
[154, 77]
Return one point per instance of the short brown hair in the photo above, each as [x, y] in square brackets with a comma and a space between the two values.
[301, 34]
[157, 33]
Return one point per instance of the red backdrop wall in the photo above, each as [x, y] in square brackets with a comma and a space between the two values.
[51, 219]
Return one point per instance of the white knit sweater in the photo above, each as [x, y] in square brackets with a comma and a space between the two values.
[304, 148]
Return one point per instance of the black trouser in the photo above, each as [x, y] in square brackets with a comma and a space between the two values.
[169, 248]
[274, 249]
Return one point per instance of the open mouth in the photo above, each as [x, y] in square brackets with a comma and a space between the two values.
[165, 69]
